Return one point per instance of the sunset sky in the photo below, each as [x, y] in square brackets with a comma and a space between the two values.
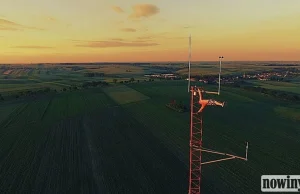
[130, 30]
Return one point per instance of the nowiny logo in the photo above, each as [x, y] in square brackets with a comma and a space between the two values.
[280, 183]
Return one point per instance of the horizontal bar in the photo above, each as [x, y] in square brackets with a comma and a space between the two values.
[211, 92]
[195, 169]
[199, 122]
[214, 161]
[221, 153]
[197, 133]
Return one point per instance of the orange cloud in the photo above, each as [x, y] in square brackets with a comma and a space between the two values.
[117, 39]
[163, 35]
[144, 37]
[9, 25]
[140, 40]
[143, 10]
[32, 28]
[118, 9]
[33, 47]
[8, 28]
[108, 44]
[128, 30]
[7, 22]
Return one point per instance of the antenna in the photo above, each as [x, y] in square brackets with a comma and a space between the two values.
[220, 59]
[196, 135]
[196, 145]
[247, 145]
[189, 81]
[218, 93]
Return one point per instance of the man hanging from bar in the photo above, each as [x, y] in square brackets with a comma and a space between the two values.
[209, 102]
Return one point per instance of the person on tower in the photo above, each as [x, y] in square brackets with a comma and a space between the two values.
[209, 102]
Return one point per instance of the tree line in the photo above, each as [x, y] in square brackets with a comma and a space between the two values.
[91, 74]
[94, 84]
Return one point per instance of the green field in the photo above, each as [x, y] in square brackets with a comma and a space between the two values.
[123, 94]
[275, 85]
[122, 138]
[288, 112]
[91, 141]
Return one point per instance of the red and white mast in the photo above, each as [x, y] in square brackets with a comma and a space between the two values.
[196, 134]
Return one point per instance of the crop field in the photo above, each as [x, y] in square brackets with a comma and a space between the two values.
[122, 139]
[12, 88]
[18, 81]
[7, 109]
[247, 117]
[123, 94]
[288, 112]
[75, 74]
[118, 69]
[283, 86]
[85, 144]
[212, 68]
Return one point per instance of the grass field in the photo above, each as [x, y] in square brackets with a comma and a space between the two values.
[231, 67]
[288, 112]
[247, 117]
[85, 142]
[123, 94]
[122, 138]
[283, 86]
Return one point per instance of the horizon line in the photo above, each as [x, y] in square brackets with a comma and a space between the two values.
[110, 62]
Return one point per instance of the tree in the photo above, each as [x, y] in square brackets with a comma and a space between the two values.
[64, 89]
[115, 80]
[131, 79]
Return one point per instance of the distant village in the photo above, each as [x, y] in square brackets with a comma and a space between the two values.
[165, 76]
[276, 75]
